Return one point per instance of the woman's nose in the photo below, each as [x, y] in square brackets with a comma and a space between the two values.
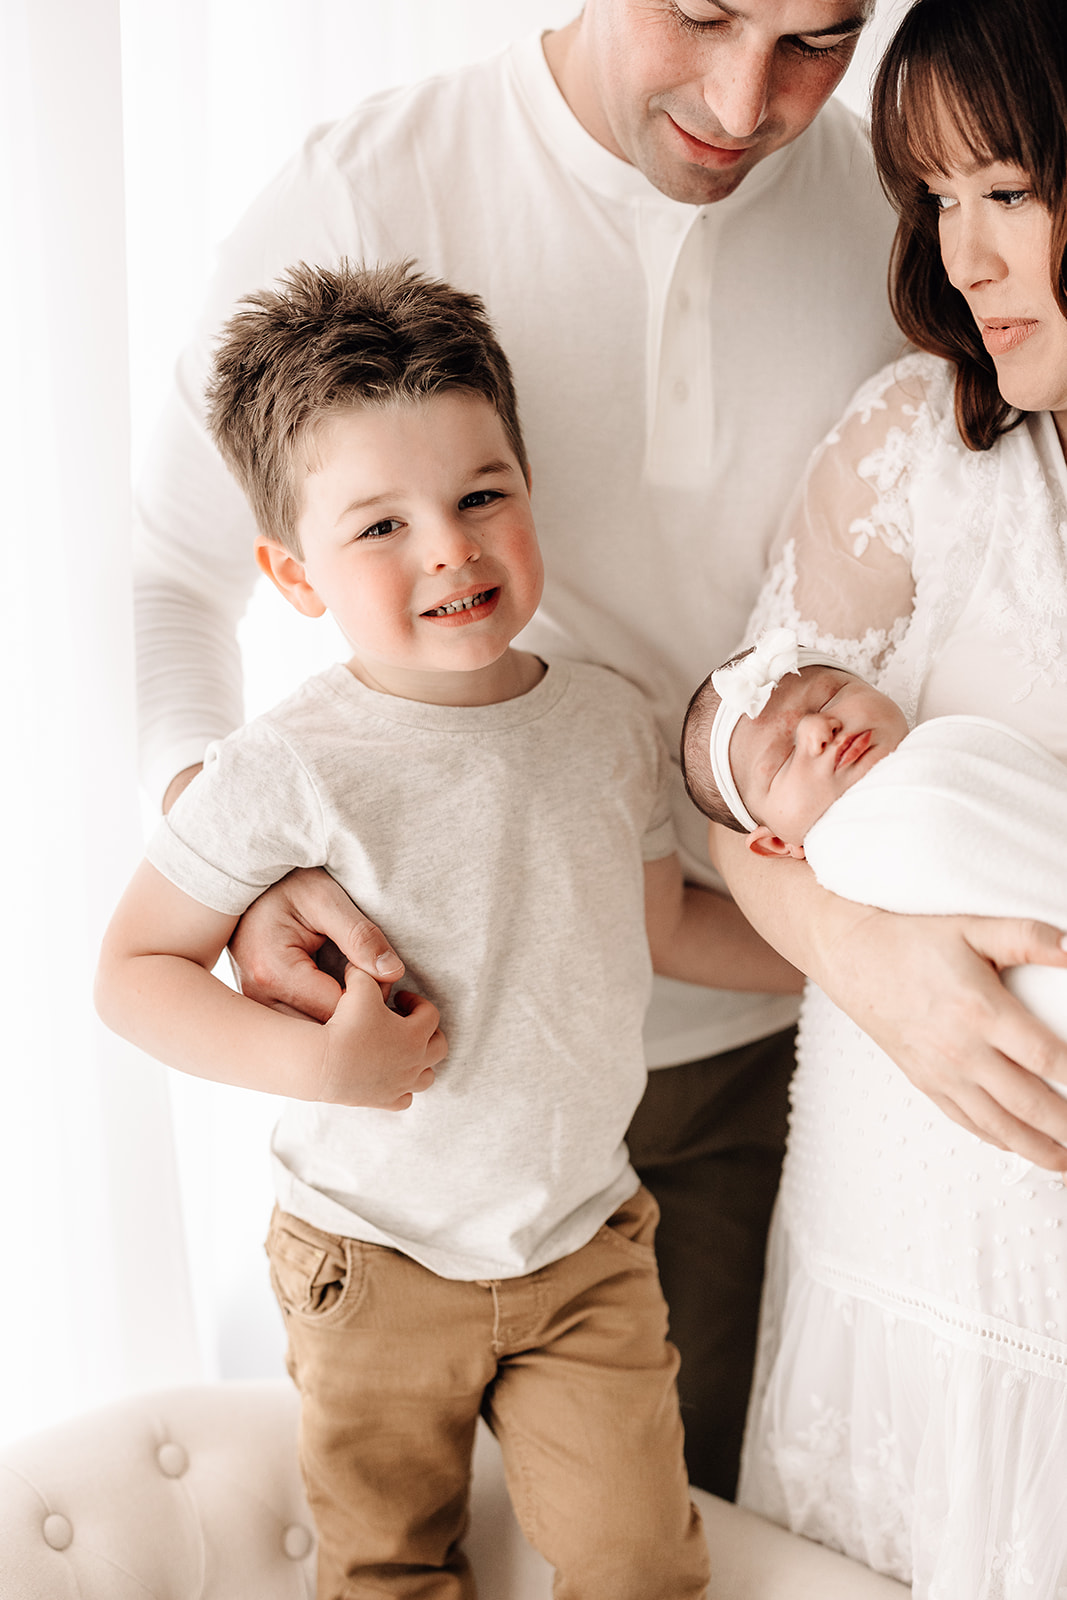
[968, 250]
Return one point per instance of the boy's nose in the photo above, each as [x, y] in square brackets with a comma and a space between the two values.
[451, 546]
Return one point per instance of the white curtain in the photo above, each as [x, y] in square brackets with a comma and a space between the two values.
[132, 133]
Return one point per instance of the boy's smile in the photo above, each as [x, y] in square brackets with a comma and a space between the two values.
[418, 538]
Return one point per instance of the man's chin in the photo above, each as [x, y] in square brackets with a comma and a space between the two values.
[695, 185]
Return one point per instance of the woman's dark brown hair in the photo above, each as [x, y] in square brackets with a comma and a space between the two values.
[999, 69]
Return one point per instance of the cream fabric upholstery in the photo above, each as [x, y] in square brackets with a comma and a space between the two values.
[194, 1494]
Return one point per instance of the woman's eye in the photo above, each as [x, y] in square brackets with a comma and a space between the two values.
[1009, 198]
[480, 497]
[943, 202]
[381, 530]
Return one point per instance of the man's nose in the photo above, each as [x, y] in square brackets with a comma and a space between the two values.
[737, 86]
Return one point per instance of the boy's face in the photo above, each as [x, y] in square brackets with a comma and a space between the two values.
[419, 540]
[821, 730]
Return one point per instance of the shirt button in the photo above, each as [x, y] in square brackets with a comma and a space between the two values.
[681, 391]
[684, 301]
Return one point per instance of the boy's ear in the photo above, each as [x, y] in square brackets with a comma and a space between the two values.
[287, 574]
[762, 842]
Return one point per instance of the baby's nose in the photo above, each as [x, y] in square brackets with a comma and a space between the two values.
[816, 731]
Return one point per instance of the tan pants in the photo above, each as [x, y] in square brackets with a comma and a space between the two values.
[569, 1365]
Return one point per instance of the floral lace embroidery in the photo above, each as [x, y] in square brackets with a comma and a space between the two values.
[776, 608]
[1027, 616]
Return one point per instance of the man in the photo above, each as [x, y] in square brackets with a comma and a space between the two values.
[683, 249]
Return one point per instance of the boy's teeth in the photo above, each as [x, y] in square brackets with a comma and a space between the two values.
[459, 605]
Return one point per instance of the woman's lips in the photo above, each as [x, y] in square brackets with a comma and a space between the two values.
[999, 335]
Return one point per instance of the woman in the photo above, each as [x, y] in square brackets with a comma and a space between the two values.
[910, 1403]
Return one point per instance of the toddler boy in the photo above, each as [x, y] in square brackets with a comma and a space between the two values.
[458, 1236]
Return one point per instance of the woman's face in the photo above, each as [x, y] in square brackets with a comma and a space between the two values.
[995, 244]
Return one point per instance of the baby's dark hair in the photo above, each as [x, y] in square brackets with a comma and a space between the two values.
[700, 783]
[326, 341]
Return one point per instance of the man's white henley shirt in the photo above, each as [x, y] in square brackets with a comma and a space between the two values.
[675, 365]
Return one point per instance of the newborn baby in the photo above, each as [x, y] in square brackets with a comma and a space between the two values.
[962, 816]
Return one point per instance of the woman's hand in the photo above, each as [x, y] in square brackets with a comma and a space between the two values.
[927, 991]
[274, 946]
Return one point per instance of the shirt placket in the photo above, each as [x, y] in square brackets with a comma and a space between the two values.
[678, 252]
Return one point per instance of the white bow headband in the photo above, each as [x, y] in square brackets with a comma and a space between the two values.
[744, 688]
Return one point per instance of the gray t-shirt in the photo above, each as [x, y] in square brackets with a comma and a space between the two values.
[501, 850]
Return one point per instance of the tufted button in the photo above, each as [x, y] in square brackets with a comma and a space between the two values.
[172, 1459]
[57, 1531]
[296, 1542]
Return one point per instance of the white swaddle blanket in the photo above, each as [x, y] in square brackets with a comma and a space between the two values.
[965, 817]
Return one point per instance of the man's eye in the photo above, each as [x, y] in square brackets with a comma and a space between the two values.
[381, 530]
[802, 48]
[479, 497]
[695, 24]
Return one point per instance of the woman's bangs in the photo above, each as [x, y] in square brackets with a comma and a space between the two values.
[948, 123]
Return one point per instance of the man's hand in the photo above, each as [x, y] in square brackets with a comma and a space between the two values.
[274, 946]
[927, 990]
[375, 1056]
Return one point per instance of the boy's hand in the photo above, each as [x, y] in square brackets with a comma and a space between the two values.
[376, 1056]
[274, 945]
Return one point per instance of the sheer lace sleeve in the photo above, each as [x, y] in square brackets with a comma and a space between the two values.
[841, 570]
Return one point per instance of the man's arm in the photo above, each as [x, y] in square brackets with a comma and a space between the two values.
[155, 986]
[276, 947]
[701, 937]
[927, 991]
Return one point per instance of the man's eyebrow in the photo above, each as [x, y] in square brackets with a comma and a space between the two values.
[847, 26]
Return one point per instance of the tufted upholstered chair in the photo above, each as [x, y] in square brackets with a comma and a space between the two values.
[194, 1494]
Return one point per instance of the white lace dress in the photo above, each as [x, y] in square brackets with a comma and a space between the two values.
[910, 1400]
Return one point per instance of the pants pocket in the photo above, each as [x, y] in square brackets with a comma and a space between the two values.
[313, 1273]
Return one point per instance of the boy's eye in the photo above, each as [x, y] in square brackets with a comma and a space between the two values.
[479, 497]
[381, 530]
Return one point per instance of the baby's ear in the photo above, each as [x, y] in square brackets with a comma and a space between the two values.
[287, 573]
[762, 842]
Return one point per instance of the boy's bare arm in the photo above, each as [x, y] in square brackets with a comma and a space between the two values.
[927, 990]
[701, 937]
[155, 986]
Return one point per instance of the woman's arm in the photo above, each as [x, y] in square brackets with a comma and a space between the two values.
[155, 986]
[927, 992]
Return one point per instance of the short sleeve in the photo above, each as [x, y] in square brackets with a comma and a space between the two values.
[659, 838]
[250, 817]
[841, 571]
